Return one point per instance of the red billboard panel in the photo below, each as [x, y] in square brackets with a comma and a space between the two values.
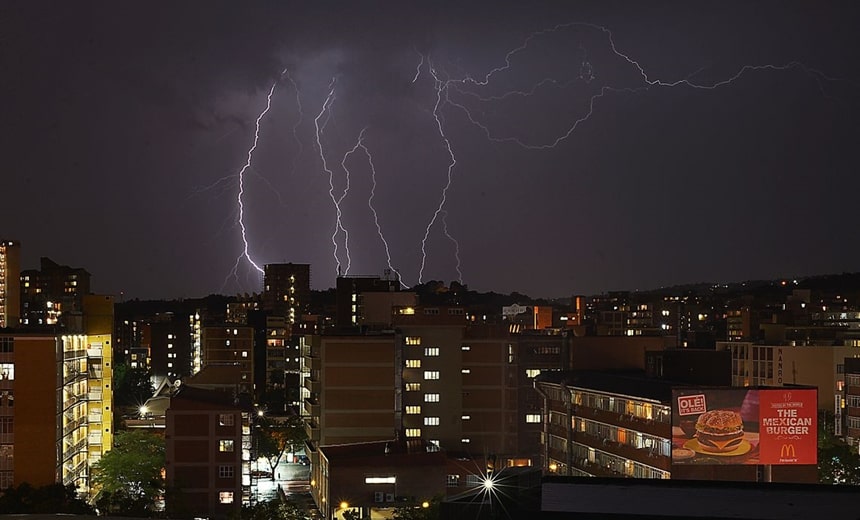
[787, 426]
[744, 426]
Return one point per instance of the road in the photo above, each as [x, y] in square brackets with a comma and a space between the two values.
[293, 479]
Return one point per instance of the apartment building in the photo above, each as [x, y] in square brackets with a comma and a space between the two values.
[779, 365]
[10, 293]
[56, 399]
[208, 452]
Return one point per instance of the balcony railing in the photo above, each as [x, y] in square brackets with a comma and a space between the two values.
[312, 362]
[312, 407]
[312, 428]
[312, 385]
[646, 456]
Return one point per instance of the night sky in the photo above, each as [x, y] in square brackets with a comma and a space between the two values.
[124, 127]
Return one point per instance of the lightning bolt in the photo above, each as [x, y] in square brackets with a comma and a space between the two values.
[456, 245]
[439, 85]
[338, 213]
[239, 197]
[298, 123]
[587, 75]
[418, 67]
[360, 144]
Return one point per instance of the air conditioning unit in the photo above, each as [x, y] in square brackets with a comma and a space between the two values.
[378, 496]
[389, 497]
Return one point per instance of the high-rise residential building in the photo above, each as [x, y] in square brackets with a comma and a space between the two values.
[64, 419]
[286, 289]
[51, 291]
[10, 293]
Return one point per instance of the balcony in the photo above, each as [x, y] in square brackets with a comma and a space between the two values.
[642, 455]
[312, 362]
[94, 352]
[94, 439]
[312, 407]
[649, 426]
[312, 428]
[558, 430]
[313, 385]
[94, 396]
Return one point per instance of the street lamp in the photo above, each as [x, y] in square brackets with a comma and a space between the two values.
[343, 506]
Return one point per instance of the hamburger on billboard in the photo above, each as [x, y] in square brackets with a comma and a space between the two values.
[744, 426]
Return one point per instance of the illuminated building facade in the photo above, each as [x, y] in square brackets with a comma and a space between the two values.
[63, 421]
[10, 293]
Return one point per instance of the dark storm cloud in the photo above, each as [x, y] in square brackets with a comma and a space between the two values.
[116, 117]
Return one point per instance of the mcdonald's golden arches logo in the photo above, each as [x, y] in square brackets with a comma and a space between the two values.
[787, 451]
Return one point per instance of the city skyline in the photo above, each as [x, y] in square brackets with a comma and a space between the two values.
[549, 151]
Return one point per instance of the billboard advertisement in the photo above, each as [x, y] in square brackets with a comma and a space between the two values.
[744, 426]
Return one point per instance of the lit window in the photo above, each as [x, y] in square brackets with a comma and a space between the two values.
[453, 480]
[466, 371]
[413, 432]
[431, 351]
[532, 372]
[431, 398]
[431, 421]
[413, 363]
[7, 371]
[380, 480]
[465, 440]
[225, 497]
[466, 417]
[465, 347]
[225, 471]
[533, 418]
[412, 410]
[226, 419]
[245, 353]
[431, 374]
[413, 387]
[413, 340]
[225, 445]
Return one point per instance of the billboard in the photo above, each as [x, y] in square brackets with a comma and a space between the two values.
[744, 426]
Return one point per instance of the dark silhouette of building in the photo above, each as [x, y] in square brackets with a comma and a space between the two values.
[286, 290]
[51, 292]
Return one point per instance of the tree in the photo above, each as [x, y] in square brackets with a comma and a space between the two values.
[838, 463]
[129, 477]
[273, 438]
[132, 386]
[53, 498]
[426, 511]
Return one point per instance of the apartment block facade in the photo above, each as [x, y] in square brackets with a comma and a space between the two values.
[208, 452]
[10, 292]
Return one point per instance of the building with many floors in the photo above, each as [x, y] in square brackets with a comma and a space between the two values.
[208, 452]
[56, 391]
[10, 293]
